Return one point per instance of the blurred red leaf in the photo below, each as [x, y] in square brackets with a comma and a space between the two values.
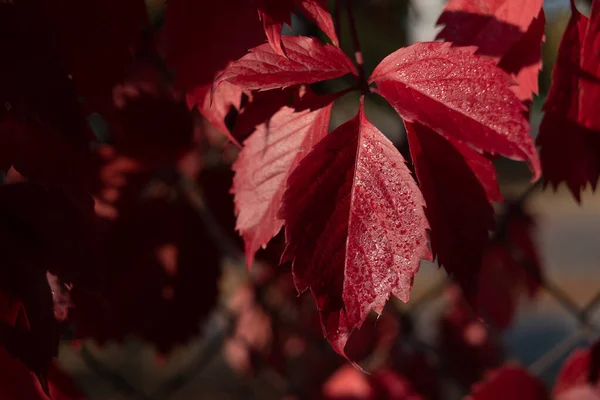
[41, 230]
[150, 124]
[422, 372]
[465, 342]
[578, 377]
[589, 96]
[494, 27]
[45, 230]
[16, 381]
[96, 58]
[511, 267]
[349, 384]
[155, 233]
[508, 31]
[43, 132]
[32, 70]
[569, 152]
[509, 382]
[46, 156]
[62, 386]
[376, 333]
[225, 30]
[524, 60]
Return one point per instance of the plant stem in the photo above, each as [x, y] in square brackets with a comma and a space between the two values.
[568, 304]
[337, 13]
[358, 57]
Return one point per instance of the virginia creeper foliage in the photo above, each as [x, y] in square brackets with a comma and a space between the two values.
[100, 145]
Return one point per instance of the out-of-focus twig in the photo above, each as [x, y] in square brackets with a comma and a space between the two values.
[111, 376]
[549, 358]
[211, 348]
[358, 55]
[194, 194]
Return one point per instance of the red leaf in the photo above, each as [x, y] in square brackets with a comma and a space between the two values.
[16, 382]
[505, 30]
[390, 385]
[355, 226]
[569, 152]
[46, 230]
[579, 373]
[260, 108]
[494, 27]
[273, 21]
[465, 342]
[33, 337]
[422, 371]
[44, 136]
[377, 334]
[269, 155]
[262, 105]
[454, 197]
[154, 233]
[275, 13]
[306, 61]
[225, 99]
[40, 230]
[95, 57]
[591, 44]
[589, 97]
[150, 124]
[483, 169]
[32, 68]
[203, 36]
[346, 383]
[509, 382]
[511, 267]
[45, 155]
[562, 97]
[62, 386]
[317, 11]
[61, 297]
[460, 96]
[524, 60]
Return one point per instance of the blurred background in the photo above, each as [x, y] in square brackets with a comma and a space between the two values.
[261, 341]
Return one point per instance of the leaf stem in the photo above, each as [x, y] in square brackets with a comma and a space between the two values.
[358, 56]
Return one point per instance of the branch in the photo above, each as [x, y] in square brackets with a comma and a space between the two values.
[358, 56]
[211, 348]
[225, 245]
[337, 13]
[549, 358]
[109, 375]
